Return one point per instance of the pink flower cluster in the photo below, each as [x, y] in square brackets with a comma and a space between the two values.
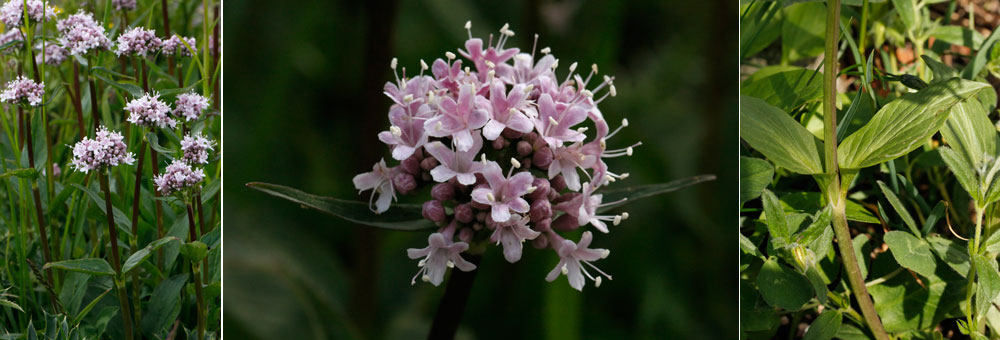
[11, 12]
[179, 176]
[11, 36]
[196, 148]
[106, 149]
[138, 41]
[149, 111]
[190, 106]
[123, 5]
[175, 45]
[54, 54]
[503, 141]
[81, 33]
[23, 91]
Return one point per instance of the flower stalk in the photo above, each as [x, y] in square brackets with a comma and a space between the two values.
[195, 274]
[452, 307]
[115, 259]
[836, 192]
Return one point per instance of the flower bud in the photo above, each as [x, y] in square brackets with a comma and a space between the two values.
[463, 213]
[542, 226]
[540, 210]
[411, 165]
[565, 222]
[404, 183]
[539, 143]
[524, 148]
[426, 176]
[443, 192]
[465, 235]
[433, 210]
[478, 205]
[526, 163]
[481, 216]
[499, 143]
[541, 189]
[540, 242]
[542, 158]
[804, 258]
[558, 183]
[512, 134]
[477, 226]
[428, 163]
[530, 137]
[569, 196]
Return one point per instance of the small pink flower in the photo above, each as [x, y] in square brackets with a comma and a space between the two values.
[439, 255]
[504, 194]
[123, 5]
[190, 106]
[460, 164]
[23, 91]
[178, 176]
[138, 41]
[81, 34]
[54, 54]
[380, 181]
[507, 110]
[11, 12]
[571, 255]
[149, 111]
[406, 134]
[106, 149]
[196, 148]
[555, 121]
[512, 235]
[174, 45]
[458, 119]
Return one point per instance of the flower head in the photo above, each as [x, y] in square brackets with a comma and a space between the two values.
[81, 33]
[504, 193]
[175, 45]
[507, 110]
[138, 41]
[380, 181]
[11, 12]
[149, 111]
[439, 255]
[178, 176]
[23, 91]
[196, 148]
[11, 36]
[190, 106]
[458, 118]
[106, 149]
[571, 255]
[123, 5]
[406, 135]
[54, 54]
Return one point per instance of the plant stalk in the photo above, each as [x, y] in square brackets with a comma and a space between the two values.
[197, 276]
[452, 307]
[835, 193]
[39, 215]
[115, 260]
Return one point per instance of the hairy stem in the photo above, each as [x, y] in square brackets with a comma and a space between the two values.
[835, 194]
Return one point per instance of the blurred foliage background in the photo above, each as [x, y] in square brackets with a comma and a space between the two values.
[303, 94]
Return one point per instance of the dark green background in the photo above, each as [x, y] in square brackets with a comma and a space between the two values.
[303, 102]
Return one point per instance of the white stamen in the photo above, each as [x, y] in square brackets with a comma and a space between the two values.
[532, 189]
[490, 197]
[468, 24]
[422, 262]
[582, 129]
[565, 270]
[604, 255]
[527, 89]
[597, 282]
[449, 55]
[572, 67]
[450, 264]
[515, 163]
[593, 67]
[623, 176]
[426, 278]
[438, 126]
[609, 178]
[396, 131]
[483, 158]
[607, 79]
[504, 28]
[423, 65]
[624, 121]
[546, 50]
[430, 96]
[509, 33]
[624, 216]
[628, 151]
[613, 91]
[468, 71]
[490, 64]
[553, 121]
[555, 64]
[587, 93]
[392, 64]
[408, 98]
[618, 219]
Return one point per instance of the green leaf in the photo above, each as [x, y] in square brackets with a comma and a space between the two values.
[755, 175]
[154, 142]
[121, 220]
[92, 266]
[826, 326]
[900, 209]
[194, 250]
[813, 201]
[849, 332]
[89, 307]
[139, 256]
[164, 306]
[958, 35]
[970, 132]
[904, 124]
[951, 253]
[971, 71]
[783, 287]
[776, 224]
[911, 252]
[10, 304]
[862, 247]
[780, 138]
[941, 71]
[787, 88]
[760, 27]
[132, 89]
[987, 285]
[748, 247]
[819, 225]
[20, 173]
[907, 11]
[755, 316]
[964, 173]
[802, 31]
[905, 305]
[936, 215]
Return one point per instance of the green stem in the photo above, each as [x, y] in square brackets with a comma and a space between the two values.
[835, 195]
[115, 260]
[197, 276]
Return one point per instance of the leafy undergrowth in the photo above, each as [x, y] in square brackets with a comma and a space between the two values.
[105, 123]
[912, 186]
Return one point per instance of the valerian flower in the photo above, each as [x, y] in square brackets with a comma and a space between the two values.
[53, 54]
[22, 91]
[138, 41]
[504, 192]
[190, 106]
[149, 111]
[123, 5]
[439, 255]
[9, 37]
[106, 149]
[571, 255]
[179, 176]
[11, 12]
[174, 45]
[457, 128]
[195, 148]
[380, 181]
[81, 33]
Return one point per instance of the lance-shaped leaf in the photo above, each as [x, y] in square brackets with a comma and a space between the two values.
[904, 124]
[755, 175]
[784, 87]
[988, 285]
[911, 252]
[776, 224]
[779, 137]
[900, 209]
[138, 257]
[970, 132]
[963, 172]
[826, 326]
[92, 266]
[634, 193]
